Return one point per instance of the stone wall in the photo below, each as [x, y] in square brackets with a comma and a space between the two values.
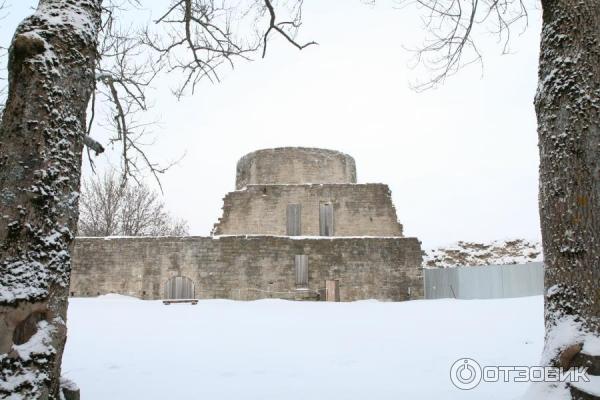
[295, 165]
[359, 210]
[246, 268]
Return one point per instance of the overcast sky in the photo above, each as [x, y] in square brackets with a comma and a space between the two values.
[461, 160]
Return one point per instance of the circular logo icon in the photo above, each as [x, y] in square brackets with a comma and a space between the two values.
[465, 373]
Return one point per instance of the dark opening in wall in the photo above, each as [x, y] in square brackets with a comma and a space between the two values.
[28, 327]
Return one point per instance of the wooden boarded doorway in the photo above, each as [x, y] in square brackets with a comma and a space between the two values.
[301, 267]
[326, 219]
[179, 287]
[294, 221]
[332, 290]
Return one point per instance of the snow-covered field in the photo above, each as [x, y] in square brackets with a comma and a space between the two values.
[123, 348]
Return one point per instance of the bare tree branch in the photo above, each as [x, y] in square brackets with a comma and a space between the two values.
[124, 73]
[450, 25]
[279, 27]
[92, 144]
[197, 37]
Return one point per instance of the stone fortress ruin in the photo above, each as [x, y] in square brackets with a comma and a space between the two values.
[298, 226]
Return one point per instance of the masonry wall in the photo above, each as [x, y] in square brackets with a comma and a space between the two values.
[248, 268]
[359, 210]
[295, 165]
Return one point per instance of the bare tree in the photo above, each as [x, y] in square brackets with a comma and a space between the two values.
[567, 104]
[53, 66]
[99, 205]
[111, 207]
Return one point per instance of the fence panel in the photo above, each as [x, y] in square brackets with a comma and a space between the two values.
[484, 282]
[441, 283]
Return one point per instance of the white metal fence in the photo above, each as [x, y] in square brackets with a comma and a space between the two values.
[484, 282]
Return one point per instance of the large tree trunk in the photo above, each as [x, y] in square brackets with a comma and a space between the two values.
[51, 75]
[568, 110]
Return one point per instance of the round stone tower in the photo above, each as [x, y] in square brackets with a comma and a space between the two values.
[294, 165]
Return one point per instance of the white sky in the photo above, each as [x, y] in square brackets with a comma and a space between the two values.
[461, 160]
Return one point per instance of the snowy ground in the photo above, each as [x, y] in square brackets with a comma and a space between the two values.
[497, 252]
[123, 348]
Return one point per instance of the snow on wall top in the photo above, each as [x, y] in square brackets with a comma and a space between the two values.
[498, 252]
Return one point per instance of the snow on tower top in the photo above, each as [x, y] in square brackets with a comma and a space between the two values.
[295, 165]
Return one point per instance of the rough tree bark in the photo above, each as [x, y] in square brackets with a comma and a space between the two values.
[568, 111]
[51, 76]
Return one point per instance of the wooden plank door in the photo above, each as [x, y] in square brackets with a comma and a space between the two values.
[326, 219]
[332, 290]
[294, 220]
[301, 267]
[179, 287]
